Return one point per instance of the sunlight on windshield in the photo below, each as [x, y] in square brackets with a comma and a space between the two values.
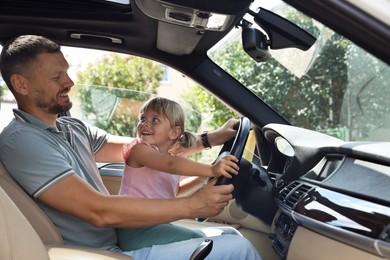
[335, 87]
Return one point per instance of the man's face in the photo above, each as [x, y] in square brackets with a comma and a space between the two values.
[50, 84]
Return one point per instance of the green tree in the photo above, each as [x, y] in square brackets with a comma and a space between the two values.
[259, 77]
[277, 86]
[317, 99]
[215, 112]
[113, 89]
[121, 85]
[367, 107]
[2, 88]
[314, 101]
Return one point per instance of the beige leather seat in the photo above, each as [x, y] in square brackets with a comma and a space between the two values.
[27, 233]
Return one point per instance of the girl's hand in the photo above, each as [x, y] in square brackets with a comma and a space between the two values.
[225, 167]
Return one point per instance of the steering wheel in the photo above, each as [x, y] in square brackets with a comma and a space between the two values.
[235, 147]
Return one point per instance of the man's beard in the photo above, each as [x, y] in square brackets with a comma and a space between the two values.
[54, 108]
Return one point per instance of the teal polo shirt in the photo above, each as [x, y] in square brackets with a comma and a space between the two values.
[38, 156]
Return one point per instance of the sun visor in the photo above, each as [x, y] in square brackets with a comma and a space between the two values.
[175, 39]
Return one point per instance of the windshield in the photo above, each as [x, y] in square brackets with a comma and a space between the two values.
[335, 87]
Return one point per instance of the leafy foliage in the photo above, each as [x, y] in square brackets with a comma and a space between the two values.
[113, 90]
[1, 90]
[111, 108]
[317, 99]
[214, 111]
[3, 87]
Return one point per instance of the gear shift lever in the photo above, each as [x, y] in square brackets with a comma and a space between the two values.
[202, 250]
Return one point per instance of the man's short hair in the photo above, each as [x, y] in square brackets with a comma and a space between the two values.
[20, 52]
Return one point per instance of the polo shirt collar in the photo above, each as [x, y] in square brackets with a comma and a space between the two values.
[27, 118]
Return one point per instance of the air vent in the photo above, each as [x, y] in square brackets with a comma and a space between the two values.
[293, 193]
[283, 194]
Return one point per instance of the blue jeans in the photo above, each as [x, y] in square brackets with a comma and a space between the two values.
[225, 247]
[130, 239]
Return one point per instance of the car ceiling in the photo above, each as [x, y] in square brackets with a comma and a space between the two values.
[101, 21]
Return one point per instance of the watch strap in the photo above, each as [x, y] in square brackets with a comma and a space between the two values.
[205, 140]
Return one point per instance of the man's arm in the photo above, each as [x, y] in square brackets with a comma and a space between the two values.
[112, 150]
[74, 196]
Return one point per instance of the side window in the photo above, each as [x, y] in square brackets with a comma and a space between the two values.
[111, 88]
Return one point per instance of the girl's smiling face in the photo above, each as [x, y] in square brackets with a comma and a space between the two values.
[155, 129]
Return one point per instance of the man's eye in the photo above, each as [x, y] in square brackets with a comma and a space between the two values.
[155, 120]
[142, 119]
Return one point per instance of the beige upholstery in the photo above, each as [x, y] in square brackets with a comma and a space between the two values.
[18, 240]
[31, 234]
[40, 222]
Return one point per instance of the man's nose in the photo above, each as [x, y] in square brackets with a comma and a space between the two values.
[69, 81]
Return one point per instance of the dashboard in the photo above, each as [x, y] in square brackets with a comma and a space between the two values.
[338, 189]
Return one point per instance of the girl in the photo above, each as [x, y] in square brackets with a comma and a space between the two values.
[153, 168]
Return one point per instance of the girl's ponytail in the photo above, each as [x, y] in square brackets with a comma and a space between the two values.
[187, 140]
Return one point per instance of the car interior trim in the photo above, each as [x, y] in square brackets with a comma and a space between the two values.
[345, 236]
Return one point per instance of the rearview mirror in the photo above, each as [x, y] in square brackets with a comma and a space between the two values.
[281, 34]
[255, 43]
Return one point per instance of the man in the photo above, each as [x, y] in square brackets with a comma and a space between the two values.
[54, 160]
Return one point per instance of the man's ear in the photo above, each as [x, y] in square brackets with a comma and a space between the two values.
[175, 132]
[19, 83]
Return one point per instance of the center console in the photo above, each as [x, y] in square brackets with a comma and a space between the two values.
[283, 233]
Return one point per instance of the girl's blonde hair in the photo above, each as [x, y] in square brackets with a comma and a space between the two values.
[175, 115]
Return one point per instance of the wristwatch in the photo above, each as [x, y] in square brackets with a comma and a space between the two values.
[205, 140]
